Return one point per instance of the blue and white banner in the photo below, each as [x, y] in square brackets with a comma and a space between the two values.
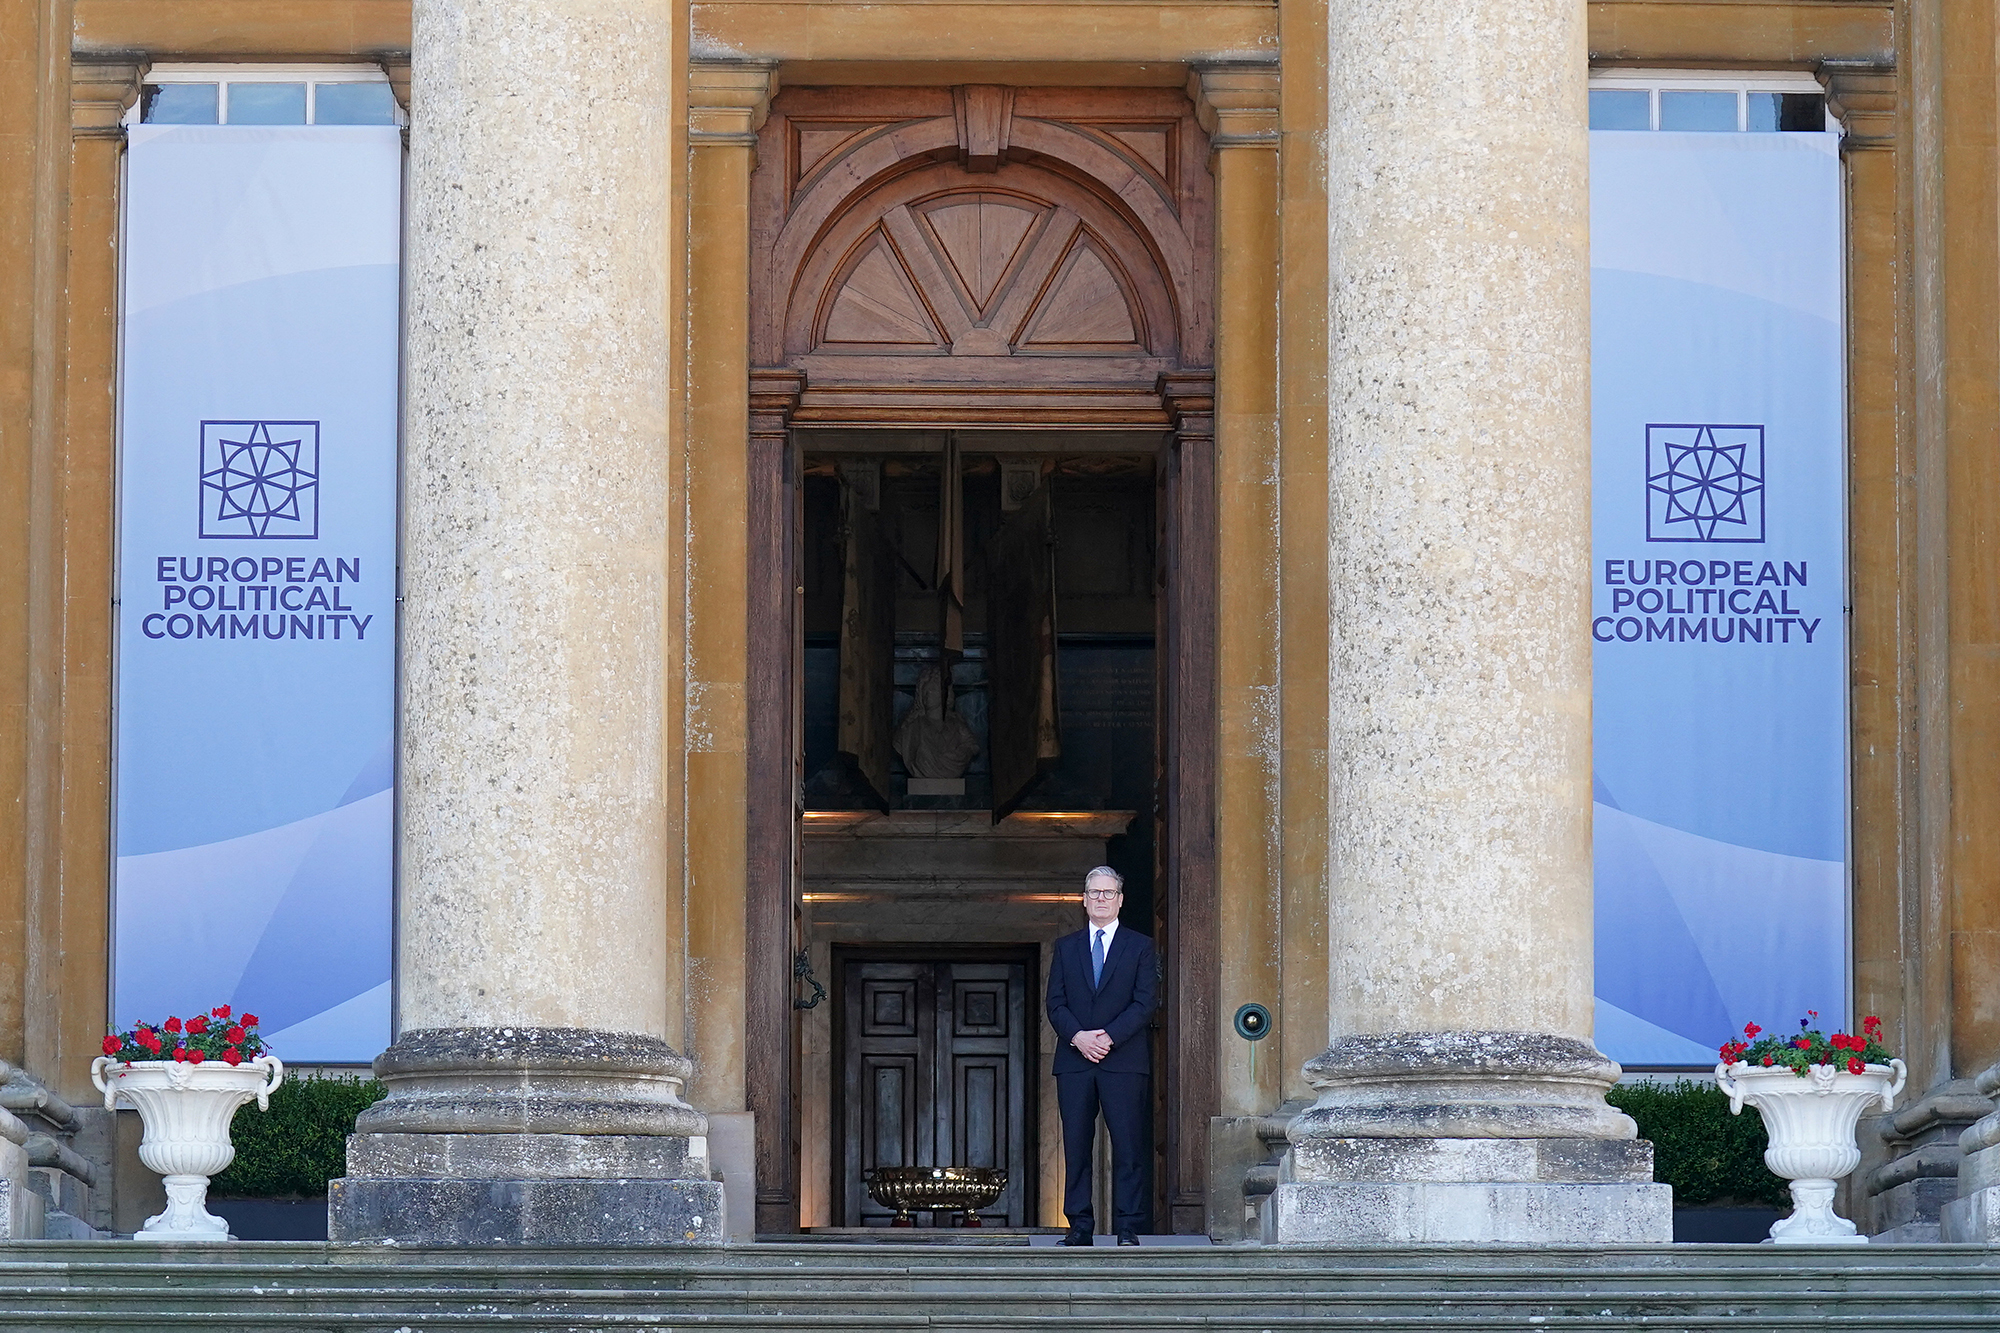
[1718, 588]
[257, 576]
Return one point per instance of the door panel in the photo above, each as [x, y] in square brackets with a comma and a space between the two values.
[937, 1071]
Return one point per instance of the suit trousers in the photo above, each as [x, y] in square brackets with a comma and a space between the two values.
[1127, 1107]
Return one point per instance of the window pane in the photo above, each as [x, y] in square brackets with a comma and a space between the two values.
[267, 104]
[353, 104]
[1792, 112]
[1710, 111]
[178, 104]
[1620, 109]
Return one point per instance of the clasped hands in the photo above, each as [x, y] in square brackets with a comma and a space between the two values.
[1095, 1044]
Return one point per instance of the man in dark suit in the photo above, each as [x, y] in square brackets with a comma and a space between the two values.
[1103, 988]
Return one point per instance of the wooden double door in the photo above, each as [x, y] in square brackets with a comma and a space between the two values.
[936, 1068]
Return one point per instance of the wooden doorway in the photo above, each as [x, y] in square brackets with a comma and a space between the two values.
[1031, 263]
[935, 1067]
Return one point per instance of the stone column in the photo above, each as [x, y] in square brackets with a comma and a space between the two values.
[533, 1096]
[1461, 1099]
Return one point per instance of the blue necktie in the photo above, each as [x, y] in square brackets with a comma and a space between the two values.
[1097, 959]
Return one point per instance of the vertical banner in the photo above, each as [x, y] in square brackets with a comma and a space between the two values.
[256, 627]
[1718, 588]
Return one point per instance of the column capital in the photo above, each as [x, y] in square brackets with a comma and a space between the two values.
[100, 92]
[1863, 94]
[397, 66]
[1189, 399]
[774, 393]
[1236, 101]
[728, 100]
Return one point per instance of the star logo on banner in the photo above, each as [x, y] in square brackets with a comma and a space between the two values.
[1704, 483]
[260, 479]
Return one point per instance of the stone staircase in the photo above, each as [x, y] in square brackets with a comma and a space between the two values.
[293, 1286]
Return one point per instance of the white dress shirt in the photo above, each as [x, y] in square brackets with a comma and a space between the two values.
[1110, 933]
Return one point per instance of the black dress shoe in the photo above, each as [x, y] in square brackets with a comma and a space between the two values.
[1127, 1238]
[1078, 1236]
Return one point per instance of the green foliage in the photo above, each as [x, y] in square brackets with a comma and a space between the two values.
[292, 1150]
[1708, 1155]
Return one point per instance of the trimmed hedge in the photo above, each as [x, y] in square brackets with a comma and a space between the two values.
[1708, 1155]
[292, 1150]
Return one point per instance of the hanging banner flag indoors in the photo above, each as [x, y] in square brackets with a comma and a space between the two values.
[1718, 588]
[256, 628]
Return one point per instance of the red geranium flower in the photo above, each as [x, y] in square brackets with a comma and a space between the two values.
[220, 1011]
[180, 1052]
[249, 1020]
[1871, 1025]
[173, 1025]
[1854, 1065]
[198, 1025]
[233, 1036]
[233, 1056]
[195, 1056]
[111, 1045]
[1751, 1030]
[1767, 1062]
[1802, 1043]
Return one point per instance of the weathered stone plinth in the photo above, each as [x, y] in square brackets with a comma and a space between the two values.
[1973, 1218]
[1908, 1193]
[551, 1136]
[1477, 1137]
[1471, 1191]
[20, 1207]
[1469, 1213]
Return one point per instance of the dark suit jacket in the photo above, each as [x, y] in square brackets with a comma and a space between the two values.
[1122, 1002]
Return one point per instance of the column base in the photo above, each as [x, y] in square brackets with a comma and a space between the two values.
[526, 1212]
[528, 1136]
[1973, 1218]
[1494, 1213]
[1906, 1194]
[1470, 1191]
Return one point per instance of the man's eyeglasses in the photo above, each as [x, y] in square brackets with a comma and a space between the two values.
[1102, 893]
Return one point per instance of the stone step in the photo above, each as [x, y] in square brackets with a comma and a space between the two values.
[114, 1287]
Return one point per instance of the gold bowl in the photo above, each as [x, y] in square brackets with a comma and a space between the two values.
[958, 1189]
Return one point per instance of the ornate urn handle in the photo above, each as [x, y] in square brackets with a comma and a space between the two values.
[110, 1090]
[276, 1075]
[1732, 1088]
[1889, 1093]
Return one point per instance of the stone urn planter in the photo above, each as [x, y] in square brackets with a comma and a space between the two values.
[186, 1109]
[1811, 1120]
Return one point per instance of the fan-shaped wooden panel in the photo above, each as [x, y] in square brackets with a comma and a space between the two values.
[918, 262]
[986, 273]
[981, 236]
[1086, 307]
[876, 306]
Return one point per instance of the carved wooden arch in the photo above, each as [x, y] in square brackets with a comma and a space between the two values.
[981, 255]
